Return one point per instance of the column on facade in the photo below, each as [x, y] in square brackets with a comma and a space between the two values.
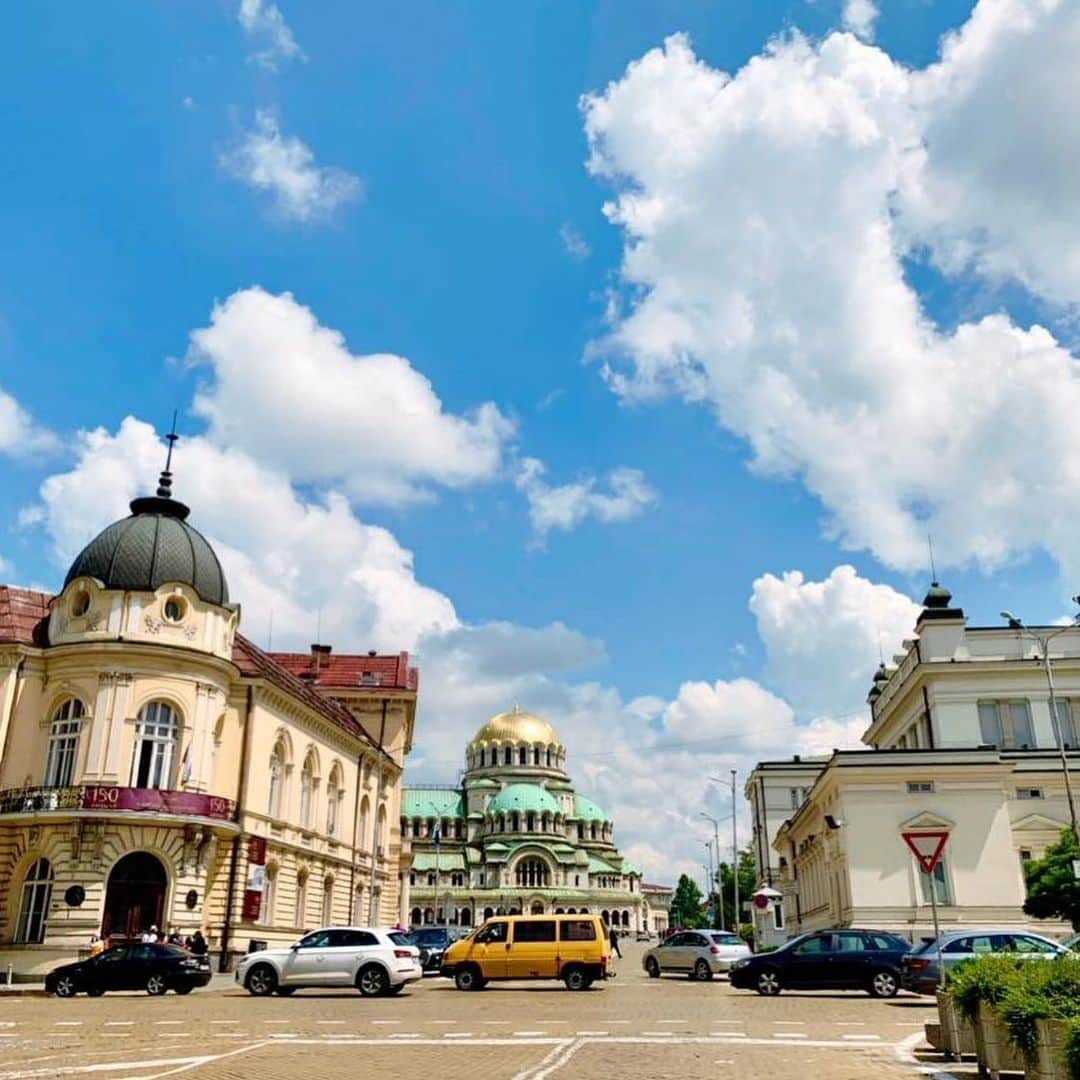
[121, 697]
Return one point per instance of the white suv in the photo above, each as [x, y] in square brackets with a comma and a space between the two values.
[375, 961]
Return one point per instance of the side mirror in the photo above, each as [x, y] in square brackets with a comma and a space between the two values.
[294, 946]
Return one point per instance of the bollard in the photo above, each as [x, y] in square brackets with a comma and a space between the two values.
[10, 971]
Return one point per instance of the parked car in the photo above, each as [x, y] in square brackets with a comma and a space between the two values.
[433, 941]
[574, 948]
[920, 972]
[376, 962]
[643, 935]
[697, 953]
[866, 960]
[1072, 943]
[153, 968]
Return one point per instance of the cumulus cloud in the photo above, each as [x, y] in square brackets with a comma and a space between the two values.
[823, 639]
[859, 16]
[264, 24]
[575, 244]
[284, 167]
[767, 217]
[20, 436]
[566, 506]
[287, 390]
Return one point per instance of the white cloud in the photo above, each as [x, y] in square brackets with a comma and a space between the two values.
[765, 219]
[284, 166]
[575, 244]
[288, 391]
[20, 436]
[824, 638]
[263, 22]
[859, 16]
[566, 506]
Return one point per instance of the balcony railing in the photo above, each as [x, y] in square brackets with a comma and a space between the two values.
[120, 800]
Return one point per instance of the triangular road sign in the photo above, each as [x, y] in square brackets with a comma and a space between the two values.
[926, 847]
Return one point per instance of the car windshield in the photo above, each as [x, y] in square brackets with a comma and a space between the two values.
[726, 939]
[398, 938]
[428, 937]
[925, 946]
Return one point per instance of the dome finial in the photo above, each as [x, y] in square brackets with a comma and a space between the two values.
[164, 490]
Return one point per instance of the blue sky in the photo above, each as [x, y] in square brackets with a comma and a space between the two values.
[468, 236]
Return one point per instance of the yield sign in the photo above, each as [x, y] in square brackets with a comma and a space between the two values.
[926, 847]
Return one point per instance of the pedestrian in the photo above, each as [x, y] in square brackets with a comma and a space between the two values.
[615, 942]
[198, 944]
[149, 936]
[175, 937]
[96, 945]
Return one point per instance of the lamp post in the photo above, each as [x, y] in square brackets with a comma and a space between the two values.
[716, 836]
[734, 846]
[1042, 639]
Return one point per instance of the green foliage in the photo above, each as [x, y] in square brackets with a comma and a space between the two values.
[1041, 990]
[1053, 891]
[1072, 1048]
[985, 980]
[686, 905]
[747, 883]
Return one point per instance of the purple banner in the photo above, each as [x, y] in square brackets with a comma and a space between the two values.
[182, 803]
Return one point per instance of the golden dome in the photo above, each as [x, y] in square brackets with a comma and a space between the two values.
[517, 726]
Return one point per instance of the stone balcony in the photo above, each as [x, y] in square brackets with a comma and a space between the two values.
[101, 800]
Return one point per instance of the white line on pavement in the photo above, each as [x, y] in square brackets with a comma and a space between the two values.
[447, 1023]
[791, 1023]
[458, 1035]
[862, 1038]
[671, 1021]
[729, 1034]
[181, 1021]
[322, 1021]
[69, 1023]
[526, 1034]
[386, 1021]
[585, 1033]
[129, 1023]
[790, 1035]
[231, 1021]
[231, 1035]
[851, 1023]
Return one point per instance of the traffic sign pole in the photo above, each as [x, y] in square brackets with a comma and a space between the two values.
[927, 847]
[937, 929]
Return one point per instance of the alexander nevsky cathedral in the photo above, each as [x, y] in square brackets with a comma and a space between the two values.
[516, 838]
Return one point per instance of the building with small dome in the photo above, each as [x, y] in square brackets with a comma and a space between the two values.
[157, 768]
[516, 837]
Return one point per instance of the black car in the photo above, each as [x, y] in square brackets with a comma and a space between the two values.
[827, 960]
[139, 966]
[432, 941]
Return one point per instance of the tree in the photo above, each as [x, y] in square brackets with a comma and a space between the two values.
[1053, 891]
[686, 905]
[747, 883]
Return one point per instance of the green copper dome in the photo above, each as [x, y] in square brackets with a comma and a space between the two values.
[151, 547]
[523, 797]
[587, 810]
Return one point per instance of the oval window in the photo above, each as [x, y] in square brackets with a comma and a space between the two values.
[80, 603]
[174, 609]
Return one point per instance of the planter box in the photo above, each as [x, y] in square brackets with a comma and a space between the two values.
[957, 1034]
[996, 1054]
[1048, 1061]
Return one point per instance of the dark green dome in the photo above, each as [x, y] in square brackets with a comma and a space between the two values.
[152, 546]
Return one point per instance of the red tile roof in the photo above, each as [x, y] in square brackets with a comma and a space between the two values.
[24, 615]
[348, 671]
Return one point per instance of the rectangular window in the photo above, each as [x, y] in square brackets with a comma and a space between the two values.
[1006, 725]
[1029, 793]
[920, 787]
[1025, 854]
[540, 930]
[796, 798]
[577, 930]
[778, 916]
[940, 884]
[1067, 724]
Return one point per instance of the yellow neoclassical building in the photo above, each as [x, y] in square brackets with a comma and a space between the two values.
[159, 769]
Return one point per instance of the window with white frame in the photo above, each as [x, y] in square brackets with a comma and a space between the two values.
[1006, 725]
[1067, 726]
[328, 902]
[1029, 793]
[920, 787]
[938, 880]
[307, 791]
[333, 801]
[277, 780]
[300, 906]
[63, 743]
[269, 898]
[34, 904]
[157, 732]
[778, 915]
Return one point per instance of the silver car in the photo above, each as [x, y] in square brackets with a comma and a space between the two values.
[919, 970]
[701, 954]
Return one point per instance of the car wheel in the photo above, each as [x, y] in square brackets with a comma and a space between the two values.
[156, 985]
[261, 980]
[468, 978]
[884, 984]
[285, 991]
[652, 967]
[768, 983]
[372, 981]
[66, 986]
[95, 991]
[702, 970]
[576, 979]
[396, 989]
[184, 989]
[425, 959]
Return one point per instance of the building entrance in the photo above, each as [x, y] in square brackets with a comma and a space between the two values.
[135, 897]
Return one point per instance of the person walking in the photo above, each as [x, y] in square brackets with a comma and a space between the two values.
[198, 944]
[615, 943]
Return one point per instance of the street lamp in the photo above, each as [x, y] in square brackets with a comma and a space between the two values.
[734, 845]
[716, 834]
[1042, 639]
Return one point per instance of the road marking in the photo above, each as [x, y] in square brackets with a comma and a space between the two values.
[526, 1034]
[671, 1021]
[790, 1035]
[405, 1035]
[116, 1034]
[851, 1023]
[320, 1021]
[130, 1023]
[69, 1023]
[386, 1021]
[447, 1023]
[457, 1035]
[729, 1034]
[237, 1021]
[862, 1038]
[579, 1033]
[231, 1035]
[284, 1035]
[661, 1034]
[265, 1021]
[791, 1023]
[181, 1021]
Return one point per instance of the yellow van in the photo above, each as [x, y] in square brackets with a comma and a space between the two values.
[573, 948]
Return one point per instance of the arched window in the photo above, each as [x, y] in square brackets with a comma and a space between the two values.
[593, 830]
[416, 917]
[307, 791]
[523, 756]
[429, 916]
[34, 904]
[457, 881]
[549, 757]
[300, 908]
[156, 733]
[277, 780]
[532, 873]
[358, 905]
[515, 821]
[488, 913]
[381, 837]
[530, 822]
[362, 838]
[269, 899]
[63, 743]
[536, 755]
[328, 901]
[508, 756]
[432, 880]
[333, 800]
[465, 917]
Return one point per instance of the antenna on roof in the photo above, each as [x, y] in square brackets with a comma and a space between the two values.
[164, 489]
[930, 545]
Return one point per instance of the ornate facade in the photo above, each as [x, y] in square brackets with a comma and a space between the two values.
[515, 837]
[157, 768]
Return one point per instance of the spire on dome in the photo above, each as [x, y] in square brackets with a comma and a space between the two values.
[162, 501]
[164, 490]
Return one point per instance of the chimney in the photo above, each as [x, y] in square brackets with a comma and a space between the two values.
[318, 654]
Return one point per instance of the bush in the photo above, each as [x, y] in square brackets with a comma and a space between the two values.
[985, 980]
[1041, 990]
[1072, 1048]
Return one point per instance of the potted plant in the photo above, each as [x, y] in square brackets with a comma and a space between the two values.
[1041, 1012]
[978, 988]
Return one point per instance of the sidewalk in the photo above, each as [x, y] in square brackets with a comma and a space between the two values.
[217, 982]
